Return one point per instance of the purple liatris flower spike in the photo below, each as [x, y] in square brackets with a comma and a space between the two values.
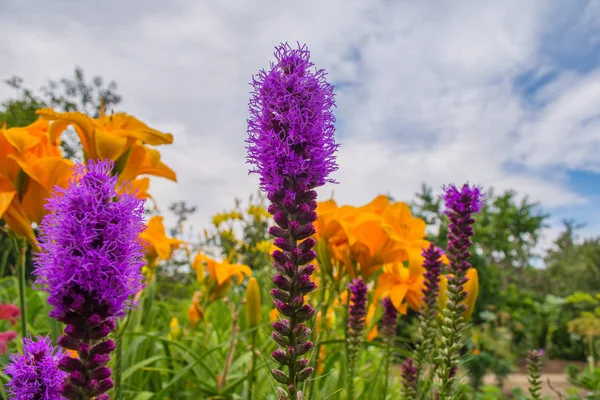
[410, 374]
[358, 307]
[426, 334]
[90, 265]
[291, 146]
[390, 319]
[433, 270]
[461, 205]
[35, 374]
[357, 312]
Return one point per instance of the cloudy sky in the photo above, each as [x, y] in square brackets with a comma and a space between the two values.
[505, 94]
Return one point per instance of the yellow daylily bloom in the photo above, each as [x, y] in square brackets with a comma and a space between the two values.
[13, 213]
[220, 274]
[156, 242]
[43, 175]
[195, 312]
[174, 329]
[143, 160]
[403, 285]
[104, 137]
[471, 288]
[274, 315]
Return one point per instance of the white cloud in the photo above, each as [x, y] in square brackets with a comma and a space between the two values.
[426, 90]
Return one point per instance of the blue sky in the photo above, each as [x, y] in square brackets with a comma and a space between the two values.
[505, 94]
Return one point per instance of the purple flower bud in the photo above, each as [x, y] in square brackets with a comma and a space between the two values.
[282, 282]
[280, 295]
[433, 270]
[104, 347]
[302, 333]
[304, 348]
[283, 244]
[305, 313]
[67, 342]
[70, 364]
[283, 327]
[97, 360]
[104, 386]
[280, 376]
[278, 232]
[305, 373]
[284, 308]
[301, 364]
[100, 373]
[280, 339]
[281, 220]
[280, 356]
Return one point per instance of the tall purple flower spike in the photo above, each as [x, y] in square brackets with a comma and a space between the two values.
[390, 319]
[90, 265]
[358, 308]
[461, 205]
[35, 374]
[291, 146]
[433, 270]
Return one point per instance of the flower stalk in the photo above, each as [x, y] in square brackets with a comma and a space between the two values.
[427, 332]
[461, 204]
[291, 146]
[90, 265]
[357, 311]
[388, 332]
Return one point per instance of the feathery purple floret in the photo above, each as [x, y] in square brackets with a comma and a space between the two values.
[91, 253]
[90, 265]
[291, 128]
[358, 307]
[433, 270]
[35, 374]
[390, 318]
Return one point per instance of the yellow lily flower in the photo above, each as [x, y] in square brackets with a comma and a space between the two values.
[143, 160]
[403, 285]
[195, 312]
[220, 274]
[43, 174]
[106, 136]
[157, 244]
[174, 329]
[471, 288]
[13, 213]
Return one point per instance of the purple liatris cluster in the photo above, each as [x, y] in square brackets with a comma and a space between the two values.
[410, 373]
[426, 334]
[461, 205]
[35, 374]
[433, 269]
[389, 320]
[291, 146]
[358, 308]
[90, 265]
[357, 312]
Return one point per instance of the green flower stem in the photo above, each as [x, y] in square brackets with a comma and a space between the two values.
[22, 278]
[253, 365]
[452, 326]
